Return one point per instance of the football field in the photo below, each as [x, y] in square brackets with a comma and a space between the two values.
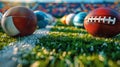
[59, 44]
[67, 46]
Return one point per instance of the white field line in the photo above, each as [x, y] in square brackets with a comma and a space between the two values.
[9, 56]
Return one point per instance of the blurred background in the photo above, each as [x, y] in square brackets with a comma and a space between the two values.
[58, 8]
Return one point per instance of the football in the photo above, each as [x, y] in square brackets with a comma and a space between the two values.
[79, 19]
[19, 21]
[103, 22]
[42, 18]
[69, 19]
[63, 19]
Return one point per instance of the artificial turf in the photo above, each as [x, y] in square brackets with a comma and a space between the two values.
[5, 39]
[67, 46]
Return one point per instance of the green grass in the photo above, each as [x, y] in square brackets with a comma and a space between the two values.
[67, 46]
[5, 39]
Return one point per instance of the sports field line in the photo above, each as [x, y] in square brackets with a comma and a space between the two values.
[9, 56]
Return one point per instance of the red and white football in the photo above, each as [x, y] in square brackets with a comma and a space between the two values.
[103, 22]
[19, 21]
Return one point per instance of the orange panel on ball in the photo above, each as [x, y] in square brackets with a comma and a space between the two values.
[63, 19]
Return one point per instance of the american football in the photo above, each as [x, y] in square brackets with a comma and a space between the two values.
[103, 22]
[19, 21]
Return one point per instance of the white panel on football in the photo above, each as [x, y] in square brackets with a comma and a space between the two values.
[9, 26]
[78, 24]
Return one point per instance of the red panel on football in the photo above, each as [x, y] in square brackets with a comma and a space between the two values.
[102, 22]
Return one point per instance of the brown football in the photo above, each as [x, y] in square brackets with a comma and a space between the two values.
[103, 22]
[19, 21]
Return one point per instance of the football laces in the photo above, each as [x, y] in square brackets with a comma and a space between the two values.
[104, 19]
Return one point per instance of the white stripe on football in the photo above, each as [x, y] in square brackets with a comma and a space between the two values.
[9, 26]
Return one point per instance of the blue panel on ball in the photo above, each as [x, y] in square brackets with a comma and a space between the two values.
[42, 24]
[40, 15]
[42, 19]
[79, 19]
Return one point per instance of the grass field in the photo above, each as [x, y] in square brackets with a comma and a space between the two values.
[5, 39]
[67, 46]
